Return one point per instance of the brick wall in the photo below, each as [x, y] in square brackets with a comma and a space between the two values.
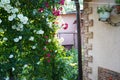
[106, 74]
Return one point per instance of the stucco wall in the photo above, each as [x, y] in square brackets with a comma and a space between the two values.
[106, 43]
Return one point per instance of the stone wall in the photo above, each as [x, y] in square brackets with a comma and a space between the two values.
[87, 46]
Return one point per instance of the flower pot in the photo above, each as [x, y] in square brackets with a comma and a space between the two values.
[87, 0]
[103, 16]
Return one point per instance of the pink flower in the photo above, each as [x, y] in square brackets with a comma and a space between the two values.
[56, 12]
[48, 61]
[44, 48]
[48, 55]
[62, 2]
[46, 37]
[41, 10]
[65, 26]
[46, 4]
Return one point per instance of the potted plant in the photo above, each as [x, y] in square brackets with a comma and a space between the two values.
[104, 12]
[117, 6]
[87, 0]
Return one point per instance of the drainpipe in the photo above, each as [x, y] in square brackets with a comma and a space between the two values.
[80, 70]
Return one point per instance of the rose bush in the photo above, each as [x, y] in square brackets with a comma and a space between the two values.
[29, 47]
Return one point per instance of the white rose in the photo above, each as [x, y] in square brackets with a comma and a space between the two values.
[10, 18]
[15, 10]
[24, 20]
[49, 40]
[5, 39]
[11, 56]
[7, 78]
[33, 47]
[1, 5]
[8, 8]
[40, 32]
[16, 39]
[5, 1]
[34, 31]
[13, 27]
[13, 15]
[50, 24]
[21, 29]
[25, 66]
[31, 38]
[55, 51]
[38, 62]
[18, 29]
[20, 16]
[20, 37]
[61, 40]
[13, 69]
[0, 21]
[20, 26]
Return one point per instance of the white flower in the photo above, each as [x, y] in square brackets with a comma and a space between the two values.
[1, 5]
[33, 47]
[20, 37]
[8, 8]
[55, 51]
[7, 78]
[49, 40]
[5, 1]
[20, 16]
[61, 39]
[13, 15]
[16, 39]
[40, 32]
[34, 11]
[50, 24]
[5, 39]
[10, 18]
[25, 66]
[21, 29]
[14, 10]
[38, 62]
[13, 27]
[17, 3]
[13, 69]
[11, 56]
[0, 21]
[24, 20]
[31, 38]
[20, 26]
[18, 29]
[34, 31]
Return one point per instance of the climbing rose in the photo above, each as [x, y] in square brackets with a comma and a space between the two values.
[48, 61]
[65, 26]
[48, 55]
[62, 2]
[56, 12]
[41, 10]
[46, 4]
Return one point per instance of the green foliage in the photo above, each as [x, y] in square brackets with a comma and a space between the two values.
[103, 9]
[72, 65]
[117, 2]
